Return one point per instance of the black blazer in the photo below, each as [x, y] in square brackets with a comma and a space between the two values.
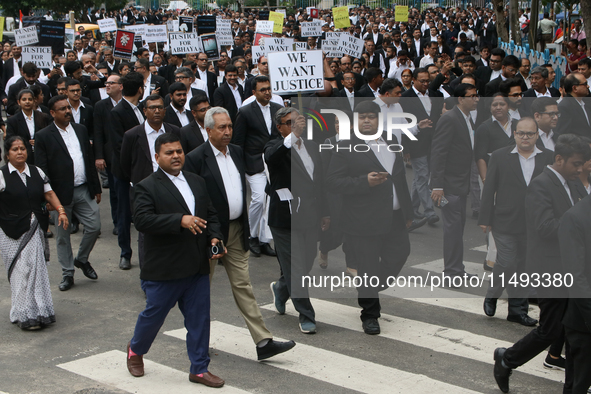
[359, 81]
[87, 119]
[250, 133]
[574, 237]
[17, 125]
[380, 39]
[122, 119]
[106, 66]
[451, 154]
[167, 72]
[171, 117]
[7, 71]
[194, 92]
[412, 104]
[191, 137]
[102, 120]
[12, 104]
[532, 93]
[494, 86]
[52, 156]
[136, 161]
[366, 210]
[202, 162]
[173, 252]
[212, 82]
[547, 201]
[503, 196]
[365, 91]
[356, 93]
[489, 137]
[161, 83]
[286, 170]
[572, 118]
[223, 97]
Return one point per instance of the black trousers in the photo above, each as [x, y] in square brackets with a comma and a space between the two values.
[579, 361]
[378, 256]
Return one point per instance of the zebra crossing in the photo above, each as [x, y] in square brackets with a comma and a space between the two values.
[336, 368]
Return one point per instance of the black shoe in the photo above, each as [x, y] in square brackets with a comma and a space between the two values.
[75, 228]
[501, 373]
[268, 250]
[486, 266]
[115, 231]
[432, 219]
[490, 306]
[48, 234]
[255, 247]
[522, 319]
[371, 326]
[66, 283]
[87, 269]
[124, 263]
[555, 363]
[273, 348]
[416, 223]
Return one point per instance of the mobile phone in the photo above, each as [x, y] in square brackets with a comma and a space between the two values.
[443, 202]
[216, 249]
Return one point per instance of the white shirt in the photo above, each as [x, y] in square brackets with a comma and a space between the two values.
[546, 94]
[387, 160]
[202, 75]
[236, 92]
[30, 124]
[152, 134]
[506, 127]
[547, 139]
[514, 113]
[147, 86]
[469, 124]
[183, 118]
[564, 183]
[396, 71]
[469, 34]
[199, 84]
[392, 109]
[76, 112]
[23, 175]
[203, 132]
[417, 44]
[73, 145]
[527, 81]
[425, 100]
[375, 92]
[582, 104]
[528, 164]
[183, 187]
[266, 110]
[103, 93]
[350, 97]
[231, 180]
[494, 75]
[79, 54]
[136, 111]
[485, 62]
[425, 61]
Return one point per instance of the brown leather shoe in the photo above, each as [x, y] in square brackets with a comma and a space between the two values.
[135, 364]
[207, 379]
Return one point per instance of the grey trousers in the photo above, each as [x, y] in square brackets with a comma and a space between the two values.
[454, 220]
[87, 211]
[510, 259]
[420, 193]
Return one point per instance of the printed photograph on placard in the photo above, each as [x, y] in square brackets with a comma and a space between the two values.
[210, 46]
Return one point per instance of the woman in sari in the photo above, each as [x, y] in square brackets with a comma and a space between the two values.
[24, 191]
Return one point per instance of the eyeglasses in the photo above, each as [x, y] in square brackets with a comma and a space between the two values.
[581, 84]
[551, 114]
[516, 95]
[288, 123]
[156, 107]
[523, 134]
[349, 79]
[263, 63]
[111, 83]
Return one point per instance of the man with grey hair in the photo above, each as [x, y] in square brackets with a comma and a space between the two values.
[538, 77]
[295, 169]
[222, 166]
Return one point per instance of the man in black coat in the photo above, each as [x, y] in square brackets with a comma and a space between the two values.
[64, 153]
[255, 126]
[539, 77]
[207, 76]
[81, 113]
[451, 162]
[230, 94]
[574, 237]
[125, 116]
[194, 134]
[30, 75]
[575, 114]
[176, 112]
[509, 68]
[153, 84]
[172, 208]
[222, 167]
[502, 211]
[548, 197]
[376, 209]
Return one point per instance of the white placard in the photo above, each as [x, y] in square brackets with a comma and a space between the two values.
[139, 30]
[257, 52]
[282, 11]
[293, 72]
[41, 56]
[183, 43]
[155, 33]
[172, 25]
[273, 44]
[330, 35]
[351, 45]
[312, 29]
[265, 26]
[223, 31]
[26, 36]
[107, 24]
[331, 48]
[301, 46]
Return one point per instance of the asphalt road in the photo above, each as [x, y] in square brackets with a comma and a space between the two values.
[432, 343]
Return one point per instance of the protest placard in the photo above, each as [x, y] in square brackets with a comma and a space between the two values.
[331, 48]
[277, 17]
[124, 44]
[265, 26]
[294, 72]
[205, 24]
[301, 46]
[257, 52]
[26, 36]
[401, 13]
[156, 33]
[341, 17]
[258, 37]
[210, 46]
[172, 25]
[314, 13]
[311, 29]
[139, 30]
[186, 24]
[41, 56]
[183, 43]
[263, 15]
[223, 31]
[1, 26]
[107, 24]
[51, 34]
[351, 45]
[273, 44]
